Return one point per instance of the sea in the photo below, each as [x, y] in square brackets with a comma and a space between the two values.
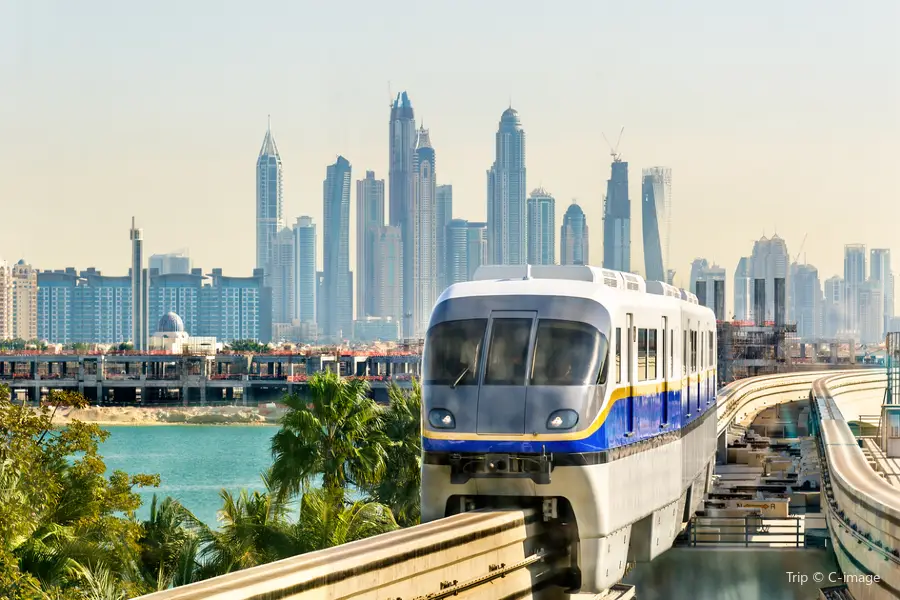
[194, 462]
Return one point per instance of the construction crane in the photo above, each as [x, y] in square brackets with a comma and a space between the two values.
[803, 243]
[614, 150]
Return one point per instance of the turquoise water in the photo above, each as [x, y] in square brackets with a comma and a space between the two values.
[194, 461]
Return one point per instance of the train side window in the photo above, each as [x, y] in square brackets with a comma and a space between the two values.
[651, 354]
[671, 351]
[684, 353]
[618, 355]
[693, 351]
[712, 351]
[642, 355]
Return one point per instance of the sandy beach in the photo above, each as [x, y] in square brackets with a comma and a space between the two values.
[193, 415]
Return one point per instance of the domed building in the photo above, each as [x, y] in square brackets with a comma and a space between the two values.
[171, 338]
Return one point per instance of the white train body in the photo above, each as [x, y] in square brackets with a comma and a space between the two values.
[587, 391]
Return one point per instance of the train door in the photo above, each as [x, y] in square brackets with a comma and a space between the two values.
[664, 391]
[501, 397]
[629, 369]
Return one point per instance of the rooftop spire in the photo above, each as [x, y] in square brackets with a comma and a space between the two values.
[268, 146]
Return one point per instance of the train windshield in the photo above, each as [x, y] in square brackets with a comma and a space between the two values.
[568, 353]
[508, 351]
[453, 352]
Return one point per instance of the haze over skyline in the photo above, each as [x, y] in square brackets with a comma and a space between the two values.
[770, 116]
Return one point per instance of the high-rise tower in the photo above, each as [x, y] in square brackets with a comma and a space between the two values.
[425, 236]
[369, 221]
[541, 228]
[854, 278]
[140, 291]
[269, 200]
[402, 139]
[617, 219]
[443, 212]
[506, 213]
[305, 270]
[656, 193]
[574, 237]
[336, 320]
[880, 273]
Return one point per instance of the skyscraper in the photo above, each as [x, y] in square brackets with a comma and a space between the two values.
[172, 263]
[140, 291]
[280, 276]
[5, 288]
[269, 200]
[617, 219]
[573, 238]
[443, 212]
[807, 301]
[743, 294]
[506, 235]
[336, 322]
[305, 279]
[698, 266]
[656, 198]
[833, 307]
[466, 249]
[880, 273]
[770, 261]
[709, 288]
[402, 138]
[369, 220]
[854, 278]
[388, 262]
[541, 228]
[425, 237]
[23, 294]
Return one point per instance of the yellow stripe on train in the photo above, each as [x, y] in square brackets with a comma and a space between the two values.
[619, 393]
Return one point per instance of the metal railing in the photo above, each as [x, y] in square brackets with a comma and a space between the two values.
[747, 532]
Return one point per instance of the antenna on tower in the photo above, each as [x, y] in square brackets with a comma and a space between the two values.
[390, 96]
[614, 150]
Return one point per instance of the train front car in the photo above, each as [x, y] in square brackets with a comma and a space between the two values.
[531, 399]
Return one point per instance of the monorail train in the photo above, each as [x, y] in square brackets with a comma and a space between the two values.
[587, 392]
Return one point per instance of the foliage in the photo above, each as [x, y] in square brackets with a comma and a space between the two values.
[402, 424]
[247, 346]
[58, 513]
[20, 344]
[61, 530]
[336, 432]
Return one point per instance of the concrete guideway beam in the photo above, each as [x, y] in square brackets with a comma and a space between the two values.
[475, 554]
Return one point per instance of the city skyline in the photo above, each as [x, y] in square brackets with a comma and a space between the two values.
[788, 131]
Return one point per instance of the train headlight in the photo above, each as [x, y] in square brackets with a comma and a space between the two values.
[562, 419]
[441, 418]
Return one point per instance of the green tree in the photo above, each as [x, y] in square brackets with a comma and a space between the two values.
[335, 432]
[402, 424]
[169, 545]
[325, 521]
[247, 346]
[59, 513]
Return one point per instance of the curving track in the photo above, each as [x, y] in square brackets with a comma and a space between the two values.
[511, 554]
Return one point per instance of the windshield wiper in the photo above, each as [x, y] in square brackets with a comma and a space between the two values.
[459, 378]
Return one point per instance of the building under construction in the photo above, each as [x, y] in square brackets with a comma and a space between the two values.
[757, 347]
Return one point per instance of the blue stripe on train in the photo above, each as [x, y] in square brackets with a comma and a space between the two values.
[612, 433]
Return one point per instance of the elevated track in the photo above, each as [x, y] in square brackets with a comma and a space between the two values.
[512, 554]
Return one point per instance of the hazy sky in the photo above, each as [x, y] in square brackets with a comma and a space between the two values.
[771, 115]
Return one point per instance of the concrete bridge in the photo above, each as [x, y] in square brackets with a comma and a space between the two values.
[509, 554]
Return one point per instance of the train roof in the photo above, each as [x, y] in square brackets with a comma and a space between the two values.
[568, 280]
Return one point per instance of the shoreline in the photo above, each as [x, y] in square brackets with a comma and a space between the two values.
[110, 416]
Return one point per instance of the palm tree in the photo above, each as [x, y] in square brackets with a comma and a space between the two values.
[169, 545]
[253, 531]
[326, 522]
[335, 432]
[403, 426]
